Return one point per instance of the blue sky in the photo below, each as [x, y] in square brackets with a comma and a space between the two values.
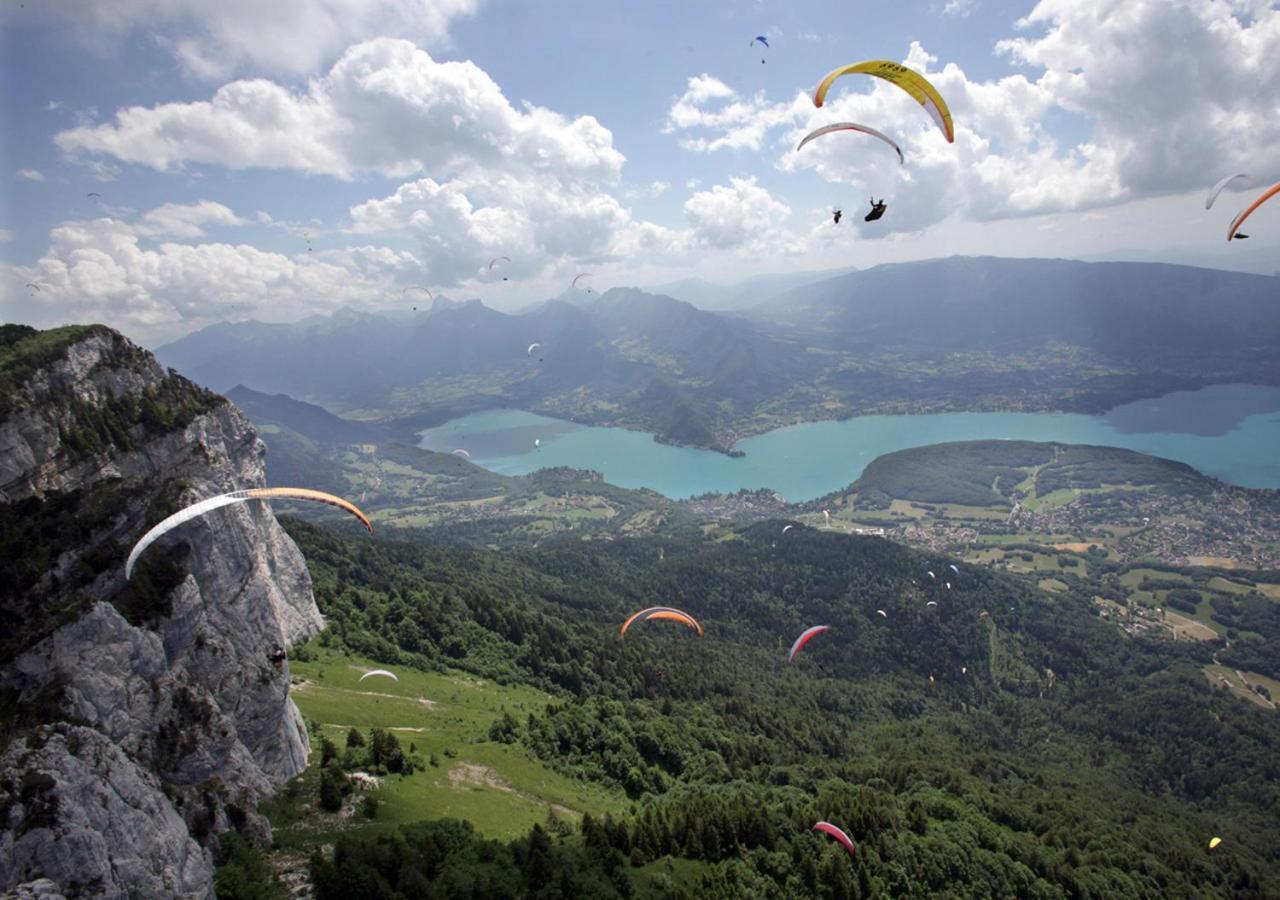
[330, 153]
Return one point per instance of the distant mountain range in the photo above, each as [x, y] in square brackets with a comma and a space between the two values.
[741, 295]
[948, 334]
[628, 357]
[1124, 310]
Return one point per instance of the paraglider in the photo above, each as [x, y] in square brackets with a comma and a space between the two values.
[786, 528]
[537, 443]
[1233, 231]
[662, 612]
[1240, 180]
[838, 834]
[948, 585]
[805, 636]
[835, 216]
[497, 259]
[900, 76]
[851, 126]
[932, 577]
[529, 352]
[759, 39]
[827, 514]
[574, 283]
[35, 287]
[932, 603]
[1214, 841]
[461, 452]
[384, 672]
[419, 287]
[953, 568]
[883, 613]
[199, 509]
[877, 210]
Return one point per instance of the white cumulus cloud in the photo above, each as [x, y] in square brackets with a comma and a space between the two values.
[288, 37]
[738, 123]
[386, 106]
[31, 174]
[740, 216]
[108, 270]
[186, 220]
[1111, 101]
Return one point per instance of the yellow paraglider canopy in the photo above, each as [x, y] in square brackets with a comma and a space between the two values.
[910, 81]
[1215, 841]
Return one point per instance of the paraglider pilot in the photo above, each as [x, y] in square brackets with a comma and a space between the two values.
[835, 216]
[877, 210]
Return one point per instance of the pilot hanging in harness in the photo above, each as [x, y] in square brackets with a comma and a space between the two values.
[877, 210]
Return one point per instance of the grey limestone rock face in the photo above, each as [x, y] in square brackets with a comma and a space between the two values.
[161, 728]
[97, 821]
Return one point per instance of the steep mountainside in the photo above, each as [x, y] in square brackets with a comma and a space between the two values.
[307, 419]
[142, 718]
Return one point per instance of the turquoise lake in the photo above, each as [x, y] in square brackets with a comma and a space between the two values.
[1229, 431]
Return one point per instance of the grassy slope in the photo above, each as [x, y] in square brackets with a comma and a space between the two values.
[512, 792]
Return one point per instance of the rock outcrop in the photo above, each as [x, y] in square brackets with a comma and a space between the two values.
[150, 714]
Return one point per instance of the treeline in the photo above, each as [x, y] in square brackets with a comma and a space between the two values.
[935, 736]
[984, 473]
[1080, 466]
[912, 840]
[962, 473]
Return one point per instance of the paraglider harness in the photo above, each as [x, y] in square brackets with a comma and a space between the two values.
[836, 214]
[877, 210]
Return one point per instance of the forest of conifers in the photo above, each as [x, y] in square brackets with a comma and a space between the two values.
[1033, 752]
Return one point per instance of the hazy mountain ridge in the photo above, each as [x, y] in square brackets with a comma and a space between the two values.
[740, 295]
[628, 358]
[142, 718]
[990, 303]
[943, 335]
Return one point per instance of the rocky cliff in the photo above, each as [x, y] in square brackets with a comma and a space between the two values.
[139, 719]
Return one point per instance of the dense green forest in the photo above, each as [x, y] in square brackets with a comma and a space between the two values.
[985, 473]
[1032, 752]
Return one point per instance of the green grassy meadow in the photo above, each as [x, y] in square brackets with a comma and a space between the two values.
[498, 787]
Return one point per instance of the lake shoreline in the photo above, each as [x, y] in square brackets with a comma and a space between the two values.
[1222, 431]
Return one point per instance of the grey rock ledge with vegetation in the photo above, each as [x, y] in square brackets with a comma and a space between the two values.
[142, 729]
